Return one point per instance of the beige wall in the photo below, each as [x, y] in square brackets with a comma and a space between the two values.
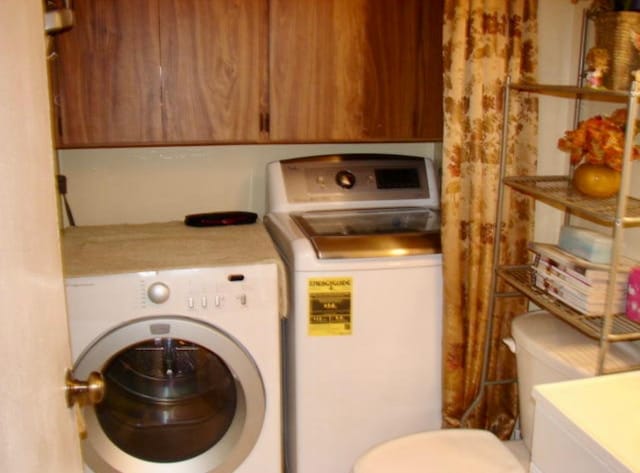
[559, 33]
[137, 185]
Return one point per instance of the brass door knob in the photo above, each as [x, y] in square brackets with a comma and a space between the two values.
[89, 392]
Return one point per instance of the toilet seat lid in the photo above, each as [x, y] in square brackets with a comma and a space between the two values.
[449, 450]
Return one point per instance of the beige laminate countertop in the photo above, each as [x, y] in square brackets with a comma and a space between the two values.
[116, 249]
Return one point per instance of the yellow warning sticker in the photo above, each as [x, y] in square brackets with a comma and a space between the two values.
[330, 306]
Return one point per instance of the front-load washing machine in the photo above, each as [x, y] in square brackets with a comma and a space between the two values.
[360, 236]
[191, 360]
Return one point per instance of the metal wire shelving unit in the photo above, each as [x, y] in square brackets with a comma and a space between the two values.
[618, 213]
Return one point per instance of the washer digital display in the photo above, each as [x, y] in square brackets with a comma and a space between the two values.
[397, 178]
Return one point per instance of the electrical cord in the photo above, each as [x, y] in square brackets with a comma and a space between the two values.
[62, 190]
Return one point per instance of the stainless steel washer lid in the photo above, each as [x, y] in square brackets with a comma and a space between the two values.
[371, 233]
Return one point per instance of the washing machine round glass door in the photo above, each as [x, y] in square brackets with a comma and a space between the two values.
[181, 395]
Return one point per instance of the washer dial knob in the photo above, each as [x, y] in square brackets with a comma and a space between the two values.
[345, 179]
[158, 292]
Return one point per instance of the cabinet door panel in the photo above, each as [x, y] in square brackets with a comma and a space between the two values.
[356, 70]
[428, 97]
[213, 55]
[108, 78]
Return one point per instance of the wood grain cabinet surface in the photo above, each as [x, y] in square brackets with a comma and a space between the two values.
[144, 72]
[214, 59]
[108, 75]
[171, 72]
[360, 70]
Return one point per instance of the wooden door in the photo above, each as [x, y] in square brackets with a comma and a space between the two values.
[37, 431]
[108, 75]
[214, 70]
[356, 70]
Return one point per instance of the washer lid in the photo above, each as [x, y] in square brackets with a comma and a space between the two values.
[454, 450]
[371, 233]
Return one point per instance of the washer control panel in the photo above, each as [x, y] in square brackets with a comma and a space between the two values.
[232, 297]
[198, 290]
[355, 178]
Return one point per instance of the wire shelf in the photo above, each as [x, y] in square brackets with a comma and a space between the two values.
[571, 91]
[521, 278]
[558, 191]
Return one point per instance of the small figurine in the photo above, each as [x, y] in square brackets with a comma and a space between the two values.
[598, 63]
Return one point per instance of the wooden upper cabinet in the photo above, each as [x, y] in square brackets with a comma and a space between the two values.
[214, 69]
[134, 72]
[107, 74]
[356, 70]
[155, 72]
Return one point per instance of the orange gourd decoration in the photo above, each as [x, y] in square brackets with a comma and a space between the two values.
[596, 180]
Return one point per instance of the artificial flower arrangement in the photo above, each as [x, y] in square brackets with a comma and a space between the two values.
[596, 148]
[598, 140]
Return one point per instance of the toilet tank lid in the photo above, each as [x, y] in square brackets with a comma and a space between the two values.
[556, 343]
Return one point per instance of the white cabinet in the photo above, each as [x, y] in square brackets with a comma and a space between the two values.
[587, 426]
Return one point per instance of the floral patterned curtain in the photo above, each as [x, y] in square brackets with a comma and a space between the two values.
[485, 41]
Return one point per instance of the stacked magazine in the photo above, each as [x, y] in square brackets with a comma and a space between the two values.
[577, 282]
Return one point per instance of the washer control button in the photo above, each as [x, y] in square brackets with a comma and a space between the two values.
[345, 179]
[158, 292]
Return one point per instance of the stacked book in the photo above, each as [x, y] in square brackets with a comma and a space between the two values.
[577, 282]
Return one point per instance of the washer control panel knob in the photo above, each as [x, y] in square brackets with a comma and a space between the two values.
[158, 292]
[345, 179]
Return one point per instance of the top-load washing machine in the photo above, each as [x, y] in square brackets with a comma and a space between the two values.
[183, 324]
[360, 236]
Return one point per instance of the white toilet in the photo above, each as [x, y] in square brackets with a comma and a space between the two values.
[547, 350]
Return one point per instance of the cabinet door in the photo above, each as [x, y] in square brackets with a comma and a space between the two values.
[108, 74]
[356, 70]
[214, 60]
